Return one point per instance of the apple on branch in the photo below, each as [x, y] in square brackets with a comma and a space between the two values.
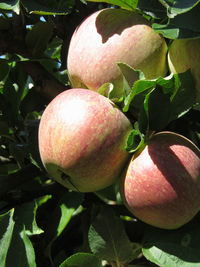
[82, 138]
[184, 54]
[161, 185]
[110, 36]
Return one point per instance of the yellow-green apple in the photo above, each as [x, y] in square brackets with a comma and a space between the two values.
[110, 36]
[161, 185]
[184, 54]
[82, 137]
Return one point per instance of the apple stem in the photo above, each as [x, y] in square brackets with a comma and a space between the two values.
[67, 177]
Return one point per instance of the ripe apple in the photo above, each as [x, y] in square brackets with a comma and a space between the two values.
[82, 137]
[110, 36]
[161, 185]
[184, 54]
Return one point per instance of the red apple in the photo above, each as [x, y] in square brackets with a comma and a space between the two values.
[162, 183]
[82, 137]
[184, 54]
[110, 36]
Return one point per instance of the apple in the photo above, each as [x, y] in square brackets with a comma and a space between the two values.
[110, 36]
[82, 137]
[184, 54]
[161, 185]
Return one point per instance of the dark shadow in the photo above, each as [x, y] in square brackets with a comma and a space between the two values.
[169, 164]
[182, 243]
[115, 21]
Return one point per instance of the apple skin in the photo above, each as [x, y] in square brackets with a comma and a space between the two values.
[82, 137]
[184, 54]
[110, 36]
[161, 185]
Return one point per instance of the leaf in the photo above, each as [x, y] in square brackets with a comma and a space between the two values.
[82, 260]
[152, 8]
[6, 232]
[175, 7]
[185, 25]
[135, 139]
[20, 251]
[25, 216]
[108, 239]
[126, 4]
[11, 5]
[35, 7]
[160, 101]
[38, 38]
[177, 248]
[129, 74]
[33, 101]
[30, 253]
[61, 215]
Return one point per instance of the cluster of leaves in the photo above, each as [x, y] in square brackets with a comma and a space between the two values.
[42, 223]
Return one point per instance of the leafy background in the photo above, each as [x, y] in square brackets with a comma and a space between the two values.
[42, 223]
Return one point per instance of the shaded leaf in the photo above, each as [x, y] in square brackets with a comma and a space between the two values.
[175, 7]
[38, 38]
[126, 4]
[178, 248]
[108, 239]
[35, 7]
[185, 25]
[10, 5]
[6, 231]
[61, 215]
[82, 260]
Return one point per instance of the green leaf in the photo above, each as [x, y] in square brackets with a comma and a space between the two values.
[35, 7]
[21, 251]
[6, 232]
[185, 25]
[25, 216]
[139, 90]
[108, 239]
[152, 8]
[177, 248]
[38, 38]
[33, 101]
[175, 7]
[129, 74]
[82, 260]
[126, 4]
[13, 5]
[30, 253]
[135, 139]
[158, 102]
[62, 214]
[105, 89]
[16, 225]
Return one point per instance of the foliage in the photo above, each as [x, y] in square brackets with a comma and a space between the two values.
[42, 223]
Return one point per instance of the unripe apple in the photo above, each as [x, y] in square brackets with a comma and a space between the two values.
[162, 183]
[82, 137]
[110, 36]
[184, 54]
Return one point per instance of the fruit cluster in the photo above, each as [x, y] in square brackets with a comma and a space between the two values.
[83, 135]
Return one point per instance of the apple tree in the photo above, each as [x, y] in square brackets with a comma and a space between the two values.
[42, 222]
